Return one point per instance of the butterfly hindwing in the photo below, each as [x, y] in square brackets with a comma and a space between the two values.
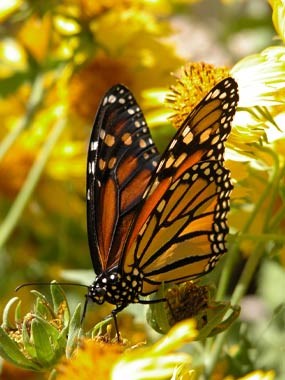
[180, 230]
[185, 235]
[121, 160]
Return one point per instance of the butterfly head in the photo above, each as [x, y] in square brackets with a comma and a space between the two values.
[97, 293]
[112, 287]
[99, 290]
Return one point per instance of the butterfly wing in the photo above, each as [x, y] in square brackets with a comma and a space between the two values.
[181, 228]
[121, 160]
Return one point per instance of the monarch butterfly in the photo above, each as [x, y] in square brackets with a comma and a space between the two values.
[152, 218]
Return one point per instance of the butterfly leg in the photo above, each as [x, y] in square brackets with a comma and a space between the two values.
[114, 315]
[120, 308]
[148, 302]
[84, 310]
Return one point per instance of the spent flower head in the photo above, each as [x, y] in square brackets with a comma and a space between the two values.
[192, 300]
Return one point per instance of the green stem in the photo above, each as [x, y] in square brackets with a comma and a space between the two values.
[247, 274]
[264, 237]
[33, 104]
[33, 177]
[232, 255]
[238, 293]
[279, 216]
[9, 140]
[251, 264]
[275, 189]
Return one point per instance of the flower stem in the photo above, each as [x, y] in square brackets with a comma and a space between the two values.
[232, 255]
[33, 177]
[33, 104]
[238, 293]
[250, 267]
[266, 236]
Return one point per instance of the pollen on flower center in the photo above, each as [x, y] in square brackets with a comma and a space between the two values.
[93, 357]
[193, 82]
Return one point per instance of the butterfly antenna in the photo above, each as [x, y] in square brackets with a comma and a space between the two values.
[48, 283]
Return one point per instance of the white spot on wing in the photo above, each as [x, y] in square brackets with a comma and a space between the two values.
[216, 93]
[173, 143]
[112, 99]
[102, 134]
[93, 145]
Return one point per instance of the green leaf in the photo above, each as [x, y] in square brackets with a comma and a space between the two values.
[58, 296]
[11, 84]
[271, 273]
[59, 299]
[74, 331]
[98, 328]
[52, 375]
[43, 335]
[29, 347]
[52, 331]
[216, 322]
[44, 311]
[62, 338]
[18, 317]
[6, 324]
[156, 315]
[44, 350]
[10, 351]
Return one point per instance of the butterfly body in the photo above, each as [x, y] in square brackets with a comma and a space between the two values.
[152, 218]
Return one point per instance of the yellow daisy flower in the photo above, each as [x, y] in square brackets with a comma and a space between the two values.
[114, 361]
[7, 8]
[94, 78]
[93, 359]
[35, 36]
[278, 17]
[261, 78]
[161, 360]
[193, 82]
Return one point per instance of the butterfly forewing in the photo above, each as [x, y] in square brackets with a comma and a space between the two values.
[121, 160]
[181, 227]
